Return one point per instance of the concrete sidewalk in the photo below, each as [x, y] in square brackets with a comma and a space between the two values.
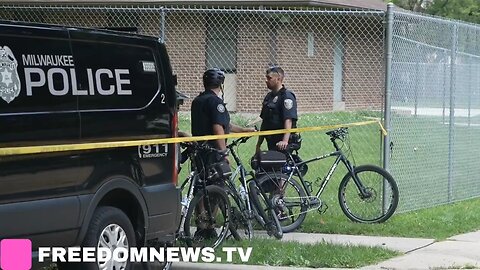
[457, 252]
[462, 251]
[436, 111]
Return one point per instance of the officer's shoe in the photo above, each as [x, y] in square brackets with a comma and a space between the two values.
[205, 234]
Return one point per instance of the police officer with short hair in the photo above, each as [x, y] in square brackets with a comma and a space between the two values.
[279, 110]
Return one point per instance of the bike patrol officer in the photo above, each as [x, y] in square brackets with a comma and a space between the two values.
[279, 110]
[210, 117]
[209, 114]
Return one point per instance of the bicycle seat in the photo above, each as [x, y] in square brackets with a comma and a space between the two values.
[338, 133]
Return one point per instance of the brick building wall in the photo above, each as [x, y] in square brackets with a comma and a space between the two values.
[185, 42]
[363, 64]
[252, 59]
[310, 77]
[262, 41]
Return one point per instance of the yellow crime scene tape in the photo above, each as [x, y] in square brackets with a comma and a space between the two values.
[25, 150]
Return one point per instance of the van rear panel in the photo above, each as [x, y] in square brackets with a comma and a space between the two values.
[68, 85]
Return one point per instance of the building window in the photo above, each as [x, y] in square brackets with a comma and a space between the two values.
[221, 47]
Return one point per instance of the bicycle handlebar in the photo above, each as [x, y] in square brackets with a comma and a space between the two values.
[238, 141]
[339, 133]
[197, 147]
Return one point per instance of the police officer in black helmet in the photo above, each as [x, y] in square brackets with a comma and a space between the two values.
[209, 114]
[279, 110]
[210, 117]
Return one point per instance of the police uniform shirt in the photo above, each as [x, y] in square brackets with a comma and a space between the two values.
[278, 107]
[208, 109]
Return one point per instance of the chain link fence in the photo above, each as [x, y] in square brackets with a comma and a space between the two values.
[334, 62]
[435, 109]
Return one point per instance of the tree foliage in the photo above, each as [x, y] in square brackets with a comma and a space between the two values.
[414, 5]
[465, 10]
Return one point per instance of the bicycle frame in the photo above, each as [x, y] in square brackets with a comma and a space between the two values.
[240, 170]
[192, 178]
[190, 181]
[340, 157]
[243, 175]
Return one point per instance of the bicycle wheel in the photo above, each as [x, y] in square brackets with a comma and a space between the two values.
[288, 199]
[382, 199]
[264, 211]
[240, 227]
[208, 214]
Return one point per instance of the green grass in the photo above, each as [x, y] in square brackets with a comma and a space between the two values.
[419, 163]
[365, 140]
[280, 253]
[438, 222]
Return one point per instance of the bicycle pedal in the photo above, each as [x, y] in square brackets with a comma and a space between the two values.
[314, 202]
[282, 217]
[230, 237]
[322, 209]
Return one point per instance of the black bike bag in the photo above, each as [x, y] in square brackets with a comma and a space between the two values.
[218, 171]
[268, 160]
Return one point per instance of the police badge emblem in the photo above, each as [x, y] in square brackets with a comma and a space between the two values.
[288, 103]
[9, 81]
[220, 108]
[275, 99]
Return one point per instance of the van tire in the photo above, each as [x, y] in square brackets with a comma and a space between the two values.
[104, 219]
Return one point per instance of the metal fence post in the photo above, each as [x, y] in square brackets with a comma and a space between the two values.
[162, 25]
[470, 66]
[388, 84]
[451, 130]
[417, 83]
[444, 87]
[388, 88]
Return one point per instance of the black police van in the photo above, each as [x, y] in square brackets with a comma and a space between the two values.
[61, 85]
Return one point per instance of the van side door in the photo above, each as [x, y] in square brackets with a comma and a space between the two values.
[126, 100]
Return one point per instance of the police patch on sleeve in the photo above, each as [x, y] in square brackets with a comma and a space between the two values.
[288, 103]
[220, 108]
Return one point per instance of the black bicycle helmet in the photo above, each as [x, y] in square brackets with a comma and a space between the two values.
[213, 77]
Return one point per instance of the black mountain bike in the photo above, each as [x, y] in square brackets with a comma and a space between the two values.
[367, 193]
[205, 207]
[251, 202]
